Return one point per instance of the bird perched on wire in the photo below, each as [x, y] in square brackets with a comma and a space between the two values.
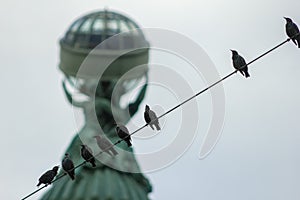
[151, 118]
[239, 63]
[87, 154]
[105, 145]
[48, 176]
[123, 133]
[292, 31]
[68, 166]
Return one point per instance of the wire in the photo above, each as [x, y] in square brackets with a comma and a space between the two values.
[169, 111]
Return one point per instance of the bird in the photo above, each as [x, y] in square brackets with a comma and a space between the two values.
[68, 166]
[105, 145]
[239, 63]
[48, 176]
[151, 118]
[123, 133]
[292, 31]
[87, 154]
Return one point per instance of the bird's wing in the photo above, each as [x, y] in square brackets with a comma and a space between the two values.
[89, 150]
[295, 27]
[45, 175]
[49, 173]
[152, 115]
[106, 143]
[241, 61]
[70, 163]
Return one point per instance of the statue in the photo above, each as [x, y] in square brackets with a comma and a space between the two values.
[116, 177]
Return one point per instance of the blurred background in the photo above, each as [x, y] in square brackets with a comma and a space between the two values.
[257, 156]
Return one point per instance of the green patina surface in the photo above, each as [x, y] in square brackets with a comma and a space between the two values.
[112, 178]
[117, 178]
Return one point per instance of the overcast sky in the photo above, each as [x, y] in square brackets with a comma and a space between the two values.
[258, 155]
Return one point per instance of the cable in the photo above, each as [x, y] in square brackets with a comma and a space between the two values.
[169, 111]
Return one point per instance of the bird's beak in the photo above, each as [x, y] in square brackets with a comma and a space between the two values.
[285, 18]
[231, 50]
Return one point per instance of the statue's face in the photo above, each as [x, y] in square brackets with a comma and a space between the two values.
[111, 90]
[91, 87]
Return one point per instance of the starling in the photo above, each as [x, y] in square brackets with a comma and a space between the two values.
[48, 176]
[87, 154]
[292, 31]
[151, 118]
[239, 63]
[68, 166]
[123, 133]
[105, 145]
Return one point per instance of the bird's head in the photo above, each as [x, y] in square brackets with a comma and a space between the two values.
[67, 155]
[55, 168]
[147, 107]
[83, 145]
[288, 20]
[117, 126]
[234, 52]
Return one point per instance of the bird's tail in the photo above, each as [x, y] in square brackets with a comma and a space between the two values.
[241, 72]
[72, 175]
[128, 142]
[114, 151]
[246, 74]
[294, 40]
[151, 125]
[93, 162]
[298, 40]
[157, 126]
[38, 184]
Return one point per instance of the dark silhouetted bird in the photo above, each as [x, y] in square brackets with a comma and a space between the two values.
[105, 145]
[48, 176]
[239, 63]
[150, 116]
[123, 133]
[68, 166]
[87, 154]
[292, 31]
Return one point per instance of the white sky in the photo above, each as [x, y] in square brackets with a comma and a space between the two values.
[257, 156]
